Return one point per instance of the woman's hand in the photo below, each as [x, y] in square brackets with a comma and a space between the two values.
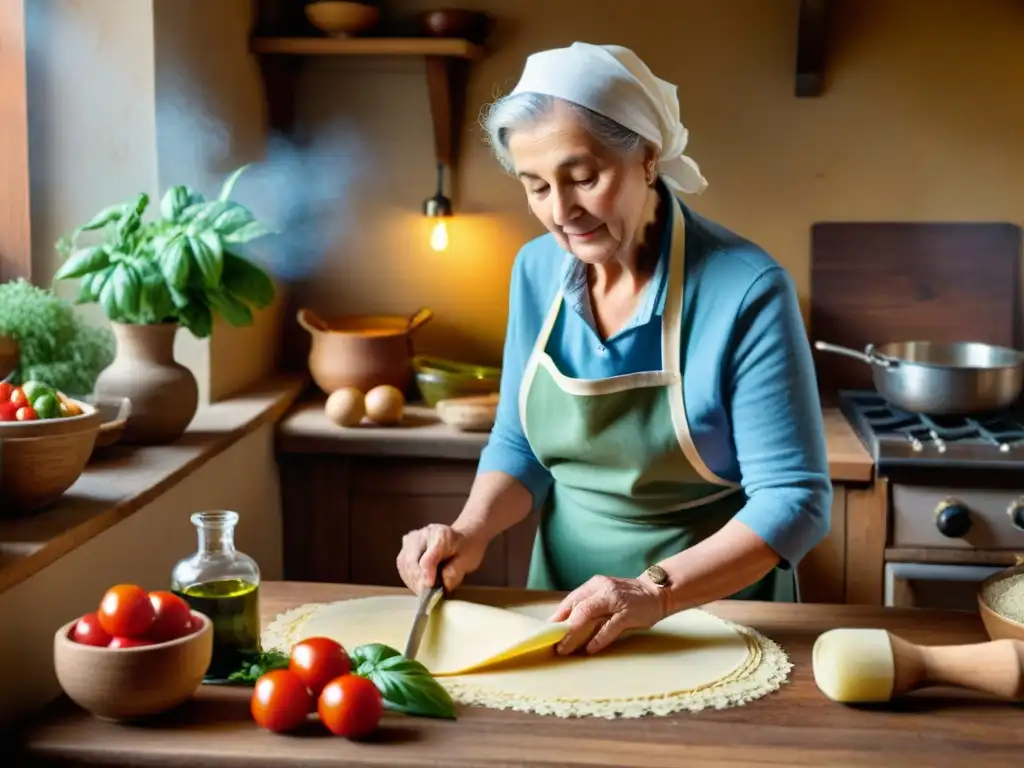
[424, 549]
[603, 608]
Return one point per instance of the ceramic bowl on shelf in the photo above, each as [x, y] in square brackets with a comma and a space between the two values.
[997, 625]
[342, 19]
[41, 459]
[438, 379]
[133, 683]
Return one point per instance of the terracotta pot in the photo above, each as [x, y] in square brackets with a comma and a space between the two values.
[8, 355]
[163, 393]
[362, 351]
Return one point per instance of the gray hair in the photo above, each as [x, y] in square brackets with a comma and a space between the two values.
[523, 109]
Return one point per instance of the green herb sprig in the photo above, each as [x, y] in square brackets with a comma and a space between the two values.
[184, 267]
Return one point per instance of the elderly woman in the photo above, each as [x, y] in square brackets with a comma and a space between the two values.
[658, 399]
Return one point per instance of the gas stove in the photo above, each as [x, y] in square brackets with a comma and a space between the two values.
[898, 439]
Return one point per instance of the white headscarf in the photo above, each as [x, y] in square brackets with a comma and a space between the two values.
[614, 82]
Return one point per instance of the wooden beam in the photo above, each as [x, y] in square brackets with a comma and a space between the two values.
[811, 47]
[446, 88]
[15, 221]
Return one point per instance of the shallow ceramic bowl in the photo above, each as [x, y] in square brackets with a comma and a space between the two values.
[340, 19]
[440, 379]
[132, 683]
[42, 459]
[115, 412]
[998, 626]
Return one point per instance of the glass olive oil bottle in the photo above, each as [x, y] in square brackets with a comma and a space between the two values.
[224, 584]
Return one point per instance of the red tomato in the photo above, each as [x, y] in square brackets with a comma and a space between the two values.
[17, 397]
[126, 611]
[350, 706]
[8, 412]
[173, 617]
[317, 661]
[26, 413]
[280, 701]
[128, 642]
[88, 631]
[5, 391]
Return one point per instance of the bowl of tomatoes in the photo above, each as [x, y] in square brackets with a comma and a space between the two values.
[46, 438]
[137, 655]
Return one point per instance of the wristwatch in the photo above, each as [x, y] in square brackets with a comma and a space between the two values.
[657, 576]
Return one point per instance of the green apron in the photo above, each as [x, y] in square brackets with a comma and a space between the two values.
[629, 488]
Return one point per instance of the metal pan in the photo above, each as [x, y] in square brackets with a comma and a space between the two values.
[955, 378]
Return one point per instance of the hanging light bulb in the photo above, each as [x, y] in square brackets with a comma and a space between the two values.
[438, 207]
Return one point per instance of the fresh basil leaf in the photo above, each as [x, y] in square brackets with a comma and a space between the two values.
[176, 199]
[197, 318]
[210, 262]
[230, 308]
[210, 211]
[254, 668]
[82, 262]
[405, 684]
[106, 216]
[176, 262]
[125, 282]
[229, 183]
[232, 219]
[247, 282]
[250, 231]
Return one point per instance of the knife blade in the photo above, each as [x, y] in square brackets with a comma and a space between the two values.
[429, 598]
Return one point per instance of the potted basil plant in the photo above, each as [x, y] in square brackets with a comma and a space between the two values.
[179, 270]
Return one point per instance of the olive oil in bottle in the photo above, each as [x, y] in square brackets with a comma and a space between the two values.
[223, 584]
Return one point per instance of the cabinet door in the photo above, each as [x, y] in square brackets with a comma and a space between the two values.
[380, 520]
[822, 573]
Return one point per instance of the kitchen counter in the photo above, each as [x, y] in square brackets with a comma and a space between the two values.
[793, 726]
[123, 479]
[422, 434]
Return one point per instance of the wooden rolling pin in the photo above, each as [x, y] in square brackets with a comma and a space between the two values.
[873, 665]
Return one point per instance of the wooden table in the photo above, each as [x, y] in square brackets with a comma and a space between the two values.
[794, 726]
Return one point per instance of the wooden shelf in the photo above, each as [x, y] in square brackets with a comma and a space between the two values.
[367, 46]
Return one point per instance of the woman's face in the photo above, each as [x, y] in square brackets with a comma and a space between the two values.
[590, 197]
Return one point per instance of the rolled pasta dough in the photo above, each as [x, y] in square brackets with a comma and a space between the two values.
[504, 657]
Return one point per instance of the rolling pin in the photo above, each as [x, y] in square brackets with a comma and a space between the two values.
[855, 666]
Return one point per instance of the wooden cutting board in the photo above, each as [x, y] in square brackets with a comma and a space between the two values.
[882, 282]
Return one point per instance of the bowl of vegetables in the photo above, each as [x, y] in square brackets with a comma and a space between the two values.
[46, 439]
[137, 655]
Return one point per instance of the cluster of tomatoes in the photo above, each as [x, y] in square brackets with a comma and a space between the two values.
[14, 405]
[318, 679]
[129, 617]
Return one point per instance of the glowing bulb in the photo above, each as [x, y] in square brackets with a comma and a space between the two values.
[439, 235]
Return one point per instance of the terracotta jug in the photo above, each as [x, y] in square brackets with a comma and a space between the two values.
[362, 351]
[164, 394]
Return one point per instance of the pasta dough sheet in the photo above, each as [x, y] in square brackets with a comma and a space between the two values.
[505, 657]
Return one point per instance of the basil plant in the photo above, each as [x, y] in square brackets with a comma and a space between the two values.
[181, 268]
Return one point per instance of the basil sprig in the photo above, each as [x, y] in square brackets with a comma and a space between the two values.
[253, 669]
[405, 684]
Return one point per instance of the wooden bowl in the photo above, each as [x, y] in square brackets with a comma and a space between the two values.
[341, 19]
[132, 683]
[115, 412]
[473, 26]
[997, 625]
[40, 460]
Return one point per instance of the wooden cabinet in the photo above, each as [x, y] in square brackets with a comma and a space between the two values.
[345, 516]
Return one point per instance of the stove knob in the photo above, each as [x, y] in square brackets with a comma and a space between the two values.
[953, 518]
[1016, 513]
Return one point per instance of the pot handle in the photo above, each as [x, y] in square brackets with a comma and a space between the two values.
[421, 316]
[868, 356]
[309, 320]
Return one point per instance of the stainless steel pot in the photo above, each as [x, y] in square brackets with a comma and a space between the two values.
[955, 378]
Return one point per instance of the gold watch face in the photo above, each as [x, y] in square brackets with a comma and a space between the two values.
[657, 575]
